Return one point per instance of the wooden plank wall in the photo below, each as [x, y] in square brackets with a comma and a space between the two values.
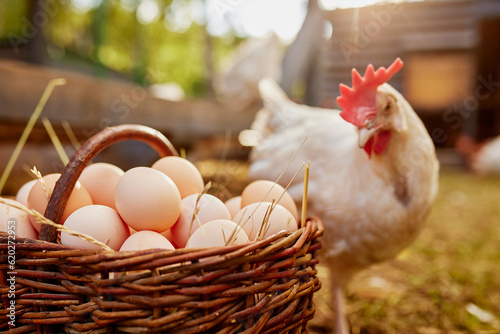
[416, 32]
[90, 104]
[380, 33]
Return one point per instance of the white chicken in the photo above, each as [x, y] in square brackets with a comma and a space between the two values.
[481, 158]
[373, 172]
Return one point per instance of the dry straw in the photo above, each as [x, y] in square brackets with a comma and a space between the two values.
[39, 176]
[55, 141]
[264, 224]
[27, 130]
[304, 198]
[71, 135]
[42, 220]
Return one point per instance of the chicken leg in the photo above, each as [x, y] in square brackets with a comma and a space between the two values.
[338, 304]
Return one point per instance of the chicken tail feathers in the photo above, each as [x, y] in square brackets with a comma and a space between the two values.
[278, 109]
[271, 92]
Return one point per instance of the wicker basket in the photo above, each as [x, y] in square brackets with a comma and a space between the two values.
[261, 287]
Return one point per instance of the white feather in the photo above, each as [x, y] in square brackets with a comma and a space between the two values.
[487, 159]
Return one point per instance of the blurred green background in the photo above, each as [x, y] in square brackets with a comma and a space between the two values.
[149, 42]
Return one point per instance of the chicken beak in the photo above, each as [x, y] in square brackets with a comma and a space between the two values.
[366, 133]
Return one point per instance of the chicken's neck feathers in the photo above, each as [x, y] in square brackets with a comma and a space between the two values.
[409, 161]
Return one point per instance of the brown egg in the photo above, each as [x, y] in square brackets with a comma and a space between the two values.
[100, 180]
[267, 191]
[207, 207]
[147, 199]
[16, 220]
[251, 219]
[142, 240]
[146, 240]
[168, 234]
[98, 221]
[217, 233]
[38, 199]
[24, 191]
[185, 175]
[233, 205]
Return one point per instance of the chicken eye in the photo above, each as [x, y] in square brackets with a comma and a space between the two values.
[388, 108]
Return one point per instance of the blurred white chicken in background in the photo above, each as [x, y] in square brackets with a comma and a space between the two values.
[238, 82]
[481, 158]
[373, 174]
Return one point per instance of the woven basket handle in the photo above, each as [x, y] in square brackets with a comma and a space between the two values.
[64, 186]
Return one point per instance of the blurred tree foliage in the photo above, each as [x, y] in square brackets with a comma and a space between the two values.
[116, 37]
[11, 13]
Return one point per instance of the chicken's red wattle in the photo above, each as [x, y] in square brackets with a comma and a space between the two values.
[378, 143]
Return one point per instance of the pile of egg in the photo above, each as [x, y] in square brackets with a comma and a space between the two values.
[162, 206]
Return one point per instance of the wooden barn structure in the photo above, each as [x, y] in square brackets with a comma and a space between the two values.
[451, 50]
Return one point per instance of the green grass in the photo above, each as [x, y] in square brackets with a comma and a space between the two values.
[453, 266]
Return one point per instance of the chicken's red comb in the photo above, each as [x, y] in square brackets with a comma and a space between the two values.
[359, 102]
